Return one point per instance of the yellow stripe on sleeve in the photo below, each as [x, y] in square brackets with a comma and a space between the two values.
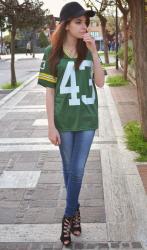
[50, 77]
[46, 79]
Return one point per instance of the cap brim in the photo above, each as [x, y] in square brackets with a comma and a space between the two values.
[89, 13]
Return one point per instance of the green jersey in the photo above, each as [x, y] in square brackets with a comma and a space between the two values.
[76, 103]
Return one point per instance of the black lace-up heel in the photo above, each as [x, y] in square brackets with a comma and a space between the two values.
[65, 234]
[76, 224]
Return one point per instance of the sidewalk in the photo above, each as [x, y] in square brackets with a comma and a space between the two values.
[125, 96]
[20, 56]
[32, 192]
[126, 100]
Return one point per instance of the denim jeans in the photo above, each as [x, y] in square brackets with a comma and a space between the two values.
[74, 150]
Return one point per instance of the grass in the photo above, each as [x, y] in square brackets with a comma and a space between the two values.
[9, 86]
[116, 80]
[108, 65]
[135, 141]
[101, 53]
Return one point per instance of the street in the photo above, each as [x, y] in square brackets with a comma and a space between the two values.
[25, 66]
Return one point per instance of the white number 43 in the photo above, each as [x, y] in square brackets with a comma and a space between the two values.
[74, 89]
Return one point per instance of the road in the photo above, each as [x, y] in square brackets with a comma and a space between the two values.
[25, 66]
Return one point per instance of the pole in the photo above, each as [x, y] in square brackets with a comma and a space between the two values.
[116, 34]
[1, 41]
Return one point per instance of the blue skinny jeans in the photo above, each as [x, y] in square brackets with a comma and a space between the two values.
[74, 150]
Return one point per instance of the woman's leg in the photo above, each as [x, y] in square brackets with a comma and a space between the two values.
[66, 148]
[82, 143]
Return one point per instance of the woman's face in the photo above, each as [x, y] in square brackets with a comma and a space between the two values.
[77, 27]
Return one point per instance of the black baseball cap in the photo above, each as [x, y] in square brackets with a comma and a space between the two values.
[72, 10]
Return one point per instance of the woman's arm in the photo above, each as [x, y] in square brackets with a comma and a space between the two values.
[53, 133]
[98, 71]
[50, 93]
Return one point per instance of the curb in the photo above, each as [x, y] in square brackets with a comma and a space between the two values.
[4, 59]
[138, 163]
[15, 91]
[134, 183]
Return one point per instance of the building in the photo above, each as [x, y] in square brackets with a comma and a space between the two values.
[95, 30]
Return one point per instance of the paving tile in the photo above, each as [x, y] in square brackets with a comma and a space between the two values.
[125, 245]
[50, 177]
[103, 246]
[93, 214]
[115, 244]
[19, 179]
[136, 245]
[40, 215]
[43, 203]
[11, 194]
[49, 193]
[8, 215]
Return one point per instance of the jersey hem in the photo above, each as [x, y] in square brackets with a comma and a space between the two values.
[81, 129]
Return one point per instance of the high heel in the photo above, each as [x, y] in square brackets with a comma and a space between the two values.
[65, 234]
[76, 224]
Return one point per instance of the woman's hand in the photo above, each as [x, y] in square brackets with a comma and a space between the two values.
[54, 136]
[90, 42]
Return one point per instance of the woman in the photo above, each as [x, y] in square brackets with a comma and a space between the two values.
[67, 69]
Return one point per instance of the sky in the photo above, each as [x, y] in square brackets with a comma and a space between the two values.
[55, 5]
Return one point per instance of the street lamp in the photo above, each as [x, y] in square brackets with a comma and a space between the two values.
[116, 36]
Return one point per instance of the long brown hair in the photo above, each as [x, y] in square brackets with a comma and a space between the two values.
[57, 40]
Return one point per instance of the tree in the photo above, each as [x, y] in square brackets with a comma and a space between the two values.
[99, 8]
[111, 21]
[2, 28]
[43, 40]
[123, 6]
[139, 32]
[19, 16]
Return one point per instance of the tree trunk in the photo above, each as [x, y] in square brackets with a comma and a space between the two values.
[139, 29]
[125, 46]
[1, 41]
[103, 22]
[33, 43]
[13, 76]
[33, 49]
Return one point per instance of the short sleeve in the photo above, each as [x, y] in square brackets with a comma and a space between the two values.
[45, 78]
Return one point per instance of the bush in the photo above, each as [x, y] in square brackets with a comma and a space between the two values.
[135, 141]
[43, 40]
[108, 65]
[116, 80]
[130, 54]
[9, 86]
